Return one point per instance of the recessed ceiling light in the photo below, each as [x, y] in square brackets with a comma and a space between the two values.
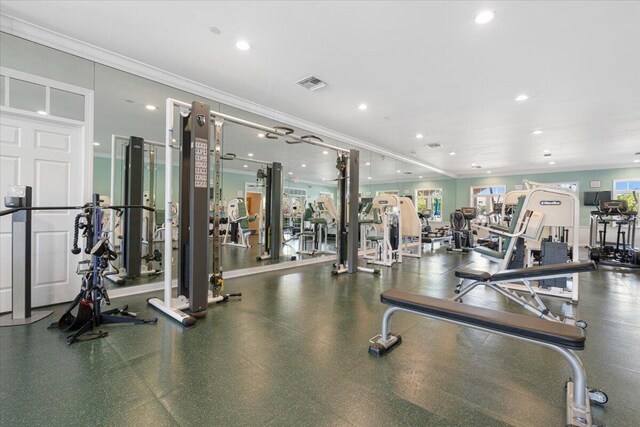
[398, 171]
[304, 165]
[485, 17]
[636, 161]
[522, 97]
[546, 151]
[420, 177]
[552, 163]
[488, 171]
[245, 166]
[290, 173]
[536, 132]
[362, 107]
[150, 107]
[473, 165]
[173, 140]
[325, 152]
[96, 143]
[368, 177]
[243, 45]
[368, 164]
[44, 113]
[419, 136]
[261, 135]
[452, 153]
[250, 154]
[324, 179]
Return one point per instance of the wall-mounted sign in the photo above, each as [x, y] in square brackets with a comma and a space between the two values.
[550, 202]
[518, 186]
[595, 184]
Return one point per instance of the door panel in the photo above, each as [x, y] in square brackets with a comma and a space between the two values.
[49, 157]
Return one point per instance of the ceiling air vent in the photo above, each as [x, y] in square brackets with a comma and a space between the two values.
[312, 83]
[476, 167]
[408, 173]
[434, 145]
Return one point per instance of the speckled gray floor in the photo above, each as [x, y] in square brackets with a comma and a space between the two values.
[232, 258]
[293, 351]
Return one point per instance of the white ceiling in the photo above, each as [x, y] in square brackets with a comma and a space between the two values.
[120, 100]
[420, 66]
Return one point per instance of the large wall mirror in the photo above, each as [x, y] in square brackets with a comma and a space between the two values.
[128, 107]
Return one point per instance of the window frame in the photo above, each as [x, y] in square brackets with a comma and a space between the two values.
[615, 192]
[417, 202]
[473, 197]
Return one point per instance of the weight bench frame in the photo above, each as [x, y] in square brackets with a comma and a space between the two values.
[525, 275]
[578, 395]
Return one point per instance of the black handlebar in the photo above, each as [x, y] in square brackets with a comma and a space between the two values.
[66, 208]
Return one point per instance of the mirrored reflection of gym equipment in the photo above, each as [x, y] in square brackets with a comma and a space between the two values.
[347, 259]
[236, 232]
[319, 218]
[270, 179]
[135, 229]
[293, 208]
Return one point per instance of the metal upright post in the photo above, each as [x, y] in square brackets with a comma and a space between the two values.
[96, 220]
[354, 201]
[21, 248]
[195, 152]
[133, 195]
[21, 313]
[216, 278]
[152, 202]
[275, 232]
[267, 209]
[341, 235]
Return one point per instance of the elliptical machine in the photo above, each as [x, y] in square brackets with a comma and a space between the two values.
[614, 213]
[463, 240]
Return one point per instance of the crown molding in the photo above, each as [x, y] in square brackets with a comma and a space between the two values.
[27, 30]
[547, 170]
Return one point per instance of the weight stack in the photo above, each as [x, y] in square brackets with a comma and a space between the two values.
[554, 253]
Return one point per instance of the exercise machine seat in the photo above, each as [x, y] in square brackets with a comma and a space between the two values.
[527, 272]
[528, 327]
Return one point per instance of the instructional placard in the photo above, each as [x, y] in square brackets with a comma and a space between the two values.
[201, 167]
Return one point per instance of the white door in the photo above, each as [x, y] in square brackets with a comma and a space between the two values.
[47, 156]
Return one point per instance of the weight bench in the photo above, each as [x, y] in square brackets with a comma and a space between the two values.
[563, 338]
[524, 275]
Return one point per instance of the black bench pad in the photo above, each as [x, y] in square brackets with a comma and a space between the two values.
[544, 270]
[527, 272]
[470, 273]
[525, 326]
